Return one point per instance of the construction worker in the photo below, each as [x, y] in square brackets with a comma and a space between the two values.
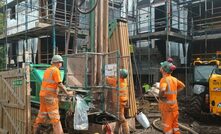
[169, 87]
[123, 97]
[49, 110]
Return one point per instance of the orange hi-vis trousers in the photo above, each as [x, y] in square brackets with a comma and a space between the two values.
[169, 119]
[170, 122]
[49, 111]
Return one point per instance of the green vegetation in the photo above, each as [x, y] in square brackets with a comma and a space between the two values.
[2, 58]
[1, 19]
[2, 48]
[1, 23]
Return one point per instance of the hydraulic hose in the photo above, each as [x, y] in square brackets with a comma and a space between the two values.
[187, 128]
[86, 12]
[181, 126]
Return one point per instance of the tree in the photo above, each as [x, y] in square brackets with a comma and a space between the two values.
[2, 58]
[1, 19]
[2, 48]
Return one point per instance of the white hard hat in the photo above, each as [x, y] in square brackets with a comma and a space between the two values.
[56, 58]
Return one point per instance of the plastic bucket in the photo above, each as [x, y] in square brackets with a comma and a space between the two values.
[142, 119]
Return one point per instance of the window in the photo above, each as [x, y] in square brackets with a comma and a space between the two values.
[12, 13]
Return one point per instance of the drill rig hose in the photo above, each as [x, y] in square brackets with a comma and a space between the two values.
[181, 126]
[85, 12]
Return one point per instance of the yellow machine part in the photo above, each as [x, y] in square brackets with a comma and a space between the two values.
[206, 62]
[215, 93]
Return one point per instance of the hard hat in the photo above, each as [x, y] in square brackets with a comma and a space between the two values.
[123, 73]
[168, 67]
[56, 58]
[198, 59]
[170, 60]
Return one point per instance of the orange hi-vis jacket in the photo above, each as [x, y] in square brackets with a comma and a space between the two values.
[169, 106]
[50, 82]
[123, 91]
[172, 85]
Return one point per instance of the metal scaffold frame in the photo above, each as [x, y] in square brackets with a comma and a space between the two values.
[49, 22]
[179, 23]
[172, 22]
[41, 20]
[153, 21]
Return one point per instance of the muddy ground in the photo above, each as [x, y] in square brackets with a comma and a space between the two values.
[150, 108]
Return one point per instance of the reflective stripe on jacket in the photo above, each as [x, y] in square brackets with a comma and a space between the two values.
[171, 84]
[50, 82]
[123, 88]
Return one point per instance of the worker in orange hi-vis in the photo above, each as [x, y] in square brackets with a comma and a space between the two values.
[49, 109]
[123, 96]
[169, 87]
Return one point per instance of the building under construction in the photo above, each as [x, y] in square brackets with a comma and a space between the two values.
[35, 30]
[157, 28]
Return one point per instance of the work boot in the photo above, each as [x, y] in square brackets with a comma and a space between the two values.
[57, 128]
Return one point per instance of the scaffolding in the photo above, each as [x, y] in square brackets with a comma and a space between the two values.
[182, 29]
[159, 29]
[34, 30]
[206, 22]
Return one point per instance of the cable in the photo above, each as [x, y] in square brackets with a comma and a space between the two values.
[85, 12]
[156, 126]
[181, 126]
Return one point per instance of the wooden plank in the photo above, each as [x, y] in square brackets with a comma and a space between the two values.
[10, 119]
[100, 40]
[125, 45]
[27, 93]
[95, 45]
[120, 41]
[116, 46]
[17, 76]
[11, 105]
[132, 97]
[12, 92]
[1, 116]
[105, 25]
[3, 131]
[131, 71]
